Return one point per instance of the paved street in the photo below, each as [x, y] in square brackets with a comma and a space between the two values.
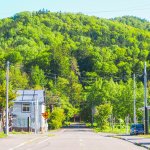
[66, 139]
[138, 140]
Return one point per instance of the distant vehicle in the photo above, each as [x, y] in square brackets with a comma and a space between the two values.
[136, 129]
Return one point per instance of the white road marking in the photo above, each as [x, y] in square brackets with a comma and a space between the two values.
[43, 141]
[24, 143]
[81, 142]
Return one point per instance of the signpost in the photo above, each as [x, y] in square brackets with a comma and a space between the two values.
[45, 115]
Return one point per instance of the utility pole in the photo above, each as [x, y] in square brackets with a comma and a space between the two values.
[145, 101]
[7, 88]
[36, 114]
[127, 124]
[55, 79]
[134, 103]
[92, 111]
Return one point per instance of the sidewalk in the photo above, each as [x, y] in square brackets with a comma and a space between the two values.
[137, 140]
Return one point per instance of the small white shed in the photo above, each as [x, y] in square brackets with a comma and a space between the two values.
[27, 111]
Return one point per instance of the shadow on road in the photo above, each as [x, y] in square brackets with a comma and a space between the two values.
[78, 130]
[78, 127]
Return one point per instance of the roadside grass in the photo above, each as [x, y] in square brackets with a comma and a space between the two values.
[117, 129]
[54, 130]
[50, 135]
[145, 136]
[89, 125]
[112, 130]
[21, 132]
[2, 135]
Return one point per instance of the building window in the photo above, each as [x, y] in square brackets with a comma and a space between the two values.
[26, 107]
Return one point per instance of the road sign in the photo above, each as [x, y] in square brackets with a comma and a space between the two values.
[45, 115]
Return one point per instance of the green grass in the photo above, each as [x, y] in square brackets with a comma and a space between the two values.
[2, 135]
[22, 132]
[50, 135]
[145, 136]
[110, 130]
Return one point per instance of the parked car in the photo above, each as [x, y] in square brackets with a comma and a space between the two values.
[137, 129]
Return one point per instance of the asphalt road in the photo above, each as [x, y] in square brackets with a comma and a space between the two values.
[66, 139]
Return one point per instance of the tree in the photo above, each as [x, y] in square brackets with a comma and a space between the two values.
[75, 90]
[102, 115]
[65, 53]
[37, 77]
[12, 96]
[56, 118]
[18, 79]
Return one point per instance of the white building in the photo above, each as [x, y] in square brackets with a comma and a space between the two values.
[27, 111]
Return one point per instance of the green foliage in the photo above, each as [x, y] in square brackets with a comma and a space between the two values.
[102, 115]
[12, 96]
[14, 57]
[2, 135]
[115, 130]
[82, 61]
[88, 125]
[66, 123]
[37, 76]
[134, 21]
[18, 79]
[56, 118]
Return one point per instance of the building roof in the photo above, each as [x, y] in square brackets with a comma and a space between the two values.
[30, 95]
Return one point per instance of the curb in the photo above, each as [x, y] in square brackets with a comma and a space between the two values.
[131, 142]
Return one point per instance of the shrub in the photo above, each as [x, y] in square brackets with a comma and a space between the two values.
[102, 115]
[2, 135]
[94, 124]
[56, 118]
[88, 125]
[66, 123]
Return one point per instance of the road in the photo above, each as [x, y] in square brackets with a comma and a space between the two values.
[66, 139]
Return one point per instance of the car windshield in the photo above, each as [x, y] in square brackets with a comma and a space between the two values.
[137, 126]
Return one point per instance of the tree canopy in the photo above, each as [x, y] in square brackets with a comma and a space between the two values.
[80, 60]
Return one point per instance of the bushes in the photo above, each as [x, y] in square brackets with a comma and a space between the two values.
[115, 130]
[89, 125]
[56, 118]
[2, 135]
[102, 115]
[66, 123]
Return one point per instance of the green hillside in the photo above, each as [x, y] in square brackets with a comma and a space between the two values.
[134, 21]
[81, 61]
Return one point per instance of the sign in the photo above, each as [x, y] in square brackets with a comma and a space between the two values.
[45, 115]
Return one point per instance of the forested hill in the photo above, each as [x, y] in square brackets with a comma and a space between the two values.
[66, 52]
[50, 40]
[134, 21]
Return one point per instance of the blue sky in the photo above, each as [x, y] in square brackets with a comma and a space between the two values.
[100, 8]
